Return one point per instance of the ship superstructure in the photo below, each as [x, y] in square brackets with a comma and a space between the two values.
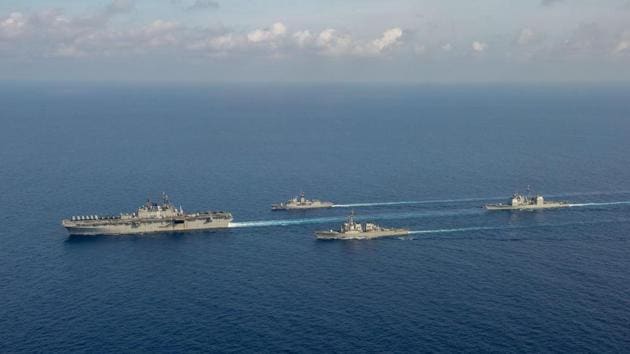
[301, 203]
[149, 218]
[352, 230]
[524, 202]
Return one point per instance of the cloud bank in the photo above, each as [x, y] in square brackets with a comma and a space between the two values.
[120, 31]
[53, 33]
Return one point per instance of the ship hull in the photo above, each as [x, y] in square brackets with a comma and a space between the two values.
[145, 227]
[334, 235]
[300, 207]
[526, 207]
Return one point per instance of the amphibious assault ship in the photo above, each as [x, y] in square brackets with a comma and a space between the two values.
[149, 218]
[301, 203]
[351, 230]
[522, 202]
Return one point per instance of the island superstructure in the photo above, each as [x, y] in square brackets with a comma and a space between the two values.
[301, 203]
[351, 230]
[523, 202]
[149, 218]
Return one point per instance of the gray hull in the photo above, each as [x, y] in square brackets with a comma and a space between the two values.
[526, 207]
[334, 235]
[302, 207]
[144, 226]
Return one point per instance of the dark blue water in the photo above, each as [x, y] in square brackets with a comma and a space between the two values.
[468, 280]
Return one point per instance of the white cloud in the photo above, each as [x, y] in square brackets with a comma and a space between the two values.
[79, 37]
[160, 26]
[160, 33]
[13, 25]
[302, 37]
[389, 38]
[259, 35]
[592, 36]
[262, 35]
[326, 36]
[331, 42]
[623, 45]
[225, 42]
[278, 29]
[479, 46]
[219, 45]
[58, 33]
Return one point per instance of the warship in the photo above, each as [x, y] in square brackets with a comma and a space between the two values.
[523, 202]
[301, 203]
[149, 218]
[351, 230]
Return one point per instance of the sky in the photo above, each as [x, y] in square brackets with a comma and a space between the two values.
[423, 41]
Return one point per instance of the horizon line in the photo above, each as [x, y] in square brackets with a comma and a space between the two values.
[318, 82]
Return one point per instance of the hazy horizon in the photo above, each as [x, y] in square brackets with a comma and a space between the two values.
[427, 41]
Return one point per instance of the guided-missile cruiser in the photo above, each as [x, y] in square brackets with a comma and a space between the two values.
[301, 203]
[351, 230]
[149, 218]
[523, 202]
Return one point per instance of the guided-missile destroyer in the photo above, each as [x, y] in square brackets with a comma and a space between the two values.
[522, 202]
[301, 203]
[351, 230]
[149, 218]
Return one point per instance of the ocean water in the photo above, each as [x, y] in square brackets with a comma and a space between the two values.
[422, 157]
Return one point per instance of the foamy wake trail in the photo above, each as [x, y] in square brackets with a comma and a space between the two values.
[390, 216]
[411, 202]
[514, 227]
[570, 194]
[357, 205]
[263, 223]
[461, 229]
[462, 200]
[599, 204]
[400, 216]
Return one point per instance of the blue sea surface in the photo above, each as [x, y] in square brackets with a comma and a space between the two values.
[465, 280]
